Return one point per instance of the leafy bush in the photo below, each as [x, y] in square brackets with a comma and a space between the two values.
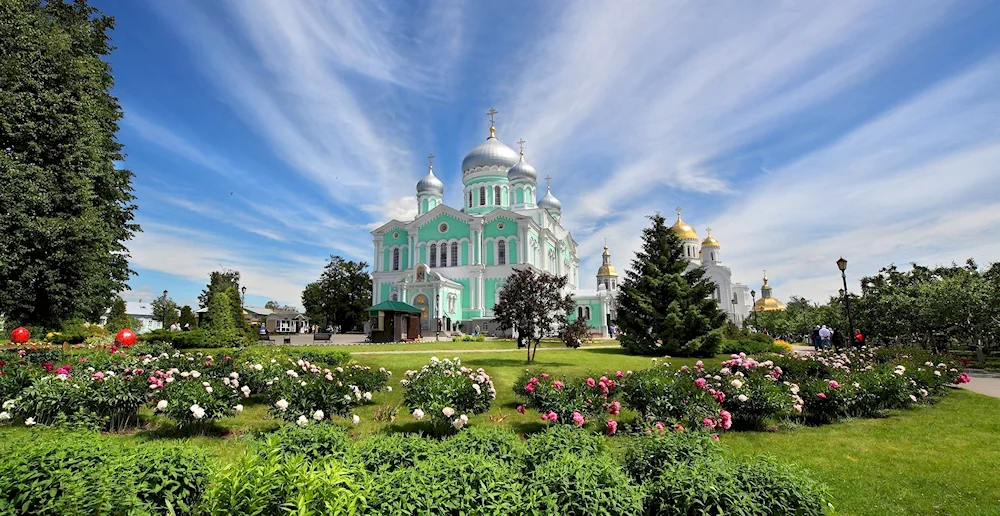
[265, 481]
[707, 345]
[84, 474]
[777, 488]
[469, 338]
[660, 393]
[573, 485]
[572, 401]
[308, 393]
[564, 439]
[197, 400]
[150, 349]
[494, 442]
[389, 452]
[103, 399]
[446, 392]
[314, 441]
[366, 378]
[448, 484]
[197, 338]
[646, 456]
[753, 346]
[329, 358]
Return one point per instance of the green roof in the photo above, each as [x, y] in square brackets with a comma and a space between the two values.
[395, 306]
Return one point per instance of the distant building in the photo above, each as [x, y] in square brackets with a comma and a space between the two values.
[142, 312]
[276, 321]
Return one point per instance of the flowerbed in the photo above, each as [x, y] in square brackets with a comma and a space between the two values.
[446, 393]
[308, 393]
[574, 400]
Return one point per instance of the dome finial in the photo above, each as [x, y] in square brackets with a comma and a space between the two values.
[765, 277]
[493, 129]
[520, 144]
[430, 161]
[678, 210]
[548, 183]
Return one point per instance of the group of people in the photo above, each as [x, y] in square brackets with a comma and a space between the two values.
[177, 327]
[826, 338]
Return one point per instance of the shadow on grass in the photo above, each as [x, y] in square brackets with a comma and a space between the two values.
[169, 431]
[509, 362]
[605, 351]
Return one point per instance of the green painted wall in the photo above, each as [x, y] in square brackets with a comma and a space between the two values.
[490, 286]
[388, 240]
[493, 230]
[384, 289]
[519, 195]
[512, 256]
[404, 260]
[423, 254]
[386, 259]
[596, 317]
[456, 229]
[489, 253]
[465, 253]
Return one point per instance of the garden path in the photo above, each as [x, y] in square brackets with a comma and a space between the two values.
[451, 352]
[983, 382]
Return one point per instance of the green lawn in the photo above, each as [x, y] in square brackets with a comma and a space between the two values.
[445, 344]
[941, 459]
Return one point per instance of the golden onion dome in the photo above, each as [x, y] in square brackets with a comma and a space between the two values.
[607, 270]
[710, 241]
[683, 230]
[768, 304]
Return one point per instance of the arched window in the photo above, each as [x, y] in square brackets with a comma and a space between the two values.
[586, 312]
[444, 255]
[579, 312]
[482, 196]
[454, 254]
[501, 252]
[496, 195]
[470, 198]
[434, 255]
[395, 259]
[394, 296]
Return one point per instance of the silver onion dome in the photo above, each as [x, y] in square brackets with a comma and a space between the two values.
[430, 184]
[549, 202]
[491, 153]
[522, 171]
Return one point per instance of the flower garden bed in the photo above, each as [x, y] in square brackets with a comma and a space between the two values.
[659, 399]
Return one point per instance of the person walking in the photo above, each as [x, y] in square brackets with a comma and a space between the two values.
[824, 337]
[859, 339]
[815, 338]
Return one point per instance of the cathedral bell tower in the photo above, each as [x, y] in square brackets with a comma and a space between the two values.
[606, 275]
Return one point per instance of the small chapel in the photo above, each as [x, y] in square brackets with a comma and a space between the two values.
[452, 262]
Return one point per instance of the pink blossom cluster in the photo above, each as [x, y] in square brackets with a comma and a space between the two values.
[724, 421]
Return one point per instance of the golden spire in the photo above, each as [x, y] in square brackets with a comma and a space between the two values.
[520, 144]
[493, 129]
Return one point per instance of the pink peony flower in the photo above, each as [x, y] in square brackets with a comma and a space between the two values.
[684, 369]
[720, 396]
[700, 383]
[834, 385]
[679, 427]
[97, 376]
[578, 418]
[520, 408]
[532, 381]
[591, 382]
[727, 419]
[699, 364]
[558, 385]
[612, 427]
[715, 437]
[614, 408]
[962, 378]
[619, 374]
[544, 376]
[660, 426]
[708, 422]
[821, 395]
[530, 387]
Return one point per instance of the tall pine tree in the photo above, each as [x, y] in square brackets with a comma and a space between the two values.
[663, 308]
[67, 209]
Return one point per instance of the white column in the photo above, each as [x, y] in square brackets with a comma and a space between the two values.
[523, 245]
[413, 252]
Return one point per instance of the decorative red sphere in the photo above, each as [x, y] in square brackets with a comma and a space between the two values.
[125, 338]
[20, 335]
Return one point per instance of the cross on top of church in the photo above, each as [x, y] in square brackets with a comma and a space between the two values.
[548, 181]
[520, 144]
[678, 210]
[709, 230]
[430, 160]
[493, 129]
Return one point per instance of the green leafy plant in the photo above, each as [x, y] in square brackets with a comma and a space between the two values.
[646, 456]
[574, 485]
[389, 452]
[568, 401]
[445, 392]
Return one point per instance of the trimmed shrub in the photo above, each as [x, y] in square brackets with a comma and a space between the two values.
[660, 393]
[573, 485]
[331, 358]
[266, 481]
[706, 346]
[646, 456]
[389, 452]
[197, 338]
[497, 443]
[313, 441]
[448, 484]
[588, 397]
[752, 346]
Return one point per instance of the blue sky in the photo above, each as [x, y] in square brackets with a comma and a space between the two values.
[267, 135]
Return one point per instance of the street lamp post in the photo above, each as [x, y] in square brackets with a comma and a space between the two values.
[735, 316]
[753, 297]
[163, 306]
[243, 296]
[842, 265]
[437, 308]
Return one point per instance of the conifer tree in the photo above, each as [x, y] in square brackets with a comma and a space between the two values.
[663, 308]
[117, 318]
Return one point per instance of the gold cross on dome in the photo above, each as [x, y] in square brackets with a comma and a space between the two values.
[678, 210]
[520, 143]
[430, 160]
[709, 231]
[492, 112]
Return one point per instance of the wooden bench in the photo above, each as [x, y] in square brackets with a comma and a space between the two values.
[264, 337]
[325, 337]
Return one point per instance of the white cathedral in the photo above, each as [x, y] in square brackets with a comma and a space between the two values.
[452, 263]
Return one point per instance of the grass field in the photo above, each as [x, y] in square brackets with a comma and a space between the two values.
[941, 459]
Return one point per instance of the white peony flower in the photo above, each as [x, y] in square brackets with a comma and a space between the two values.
[418, 414]
[258, 367]
[208, 390]
[197, 411]
[448, 411]
[239, 409]
[246, 391]
[368, 396]
[319, 415]
[282, 405]
[195, 374]
[388, 388]
[302, 421]
[7, 405]
[736, 383]
[458, 424]
[205, 384]
[742, 397]
[162, 405]
[356, 419]
[4, 416]
[29, 422]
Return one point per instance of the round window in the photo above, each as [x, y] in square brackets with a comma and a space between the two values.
[499, 225]
[395, 235]
[443, 227]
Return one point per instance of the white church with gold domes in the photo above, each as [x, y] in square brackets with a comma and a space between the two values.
[734, 298]
[452, 263]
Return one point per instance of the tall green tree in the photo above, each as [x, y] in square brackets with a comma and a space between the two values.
[661, 305]
[274, 305]
[67, 207]
[219, 281]
[117, 317]
[188, 317]
[341, 296]
[533, 304]
[219, 321]
[164, 310]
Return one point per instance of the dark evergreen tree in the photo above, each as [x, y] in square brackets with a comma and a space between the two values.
[188, 317]
[219, 281]
[341, 296]
[67, 209]
[661, 305]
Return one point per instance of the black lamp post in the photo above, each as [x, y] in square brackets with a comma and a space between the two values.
[753, 297]
[163, 316]
[735, 318]
[842, 265]
[437, 308]
[243, 296]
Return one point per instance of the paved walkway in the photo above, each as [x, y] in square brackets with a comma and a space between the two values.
[983, 382]
[453, 352]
